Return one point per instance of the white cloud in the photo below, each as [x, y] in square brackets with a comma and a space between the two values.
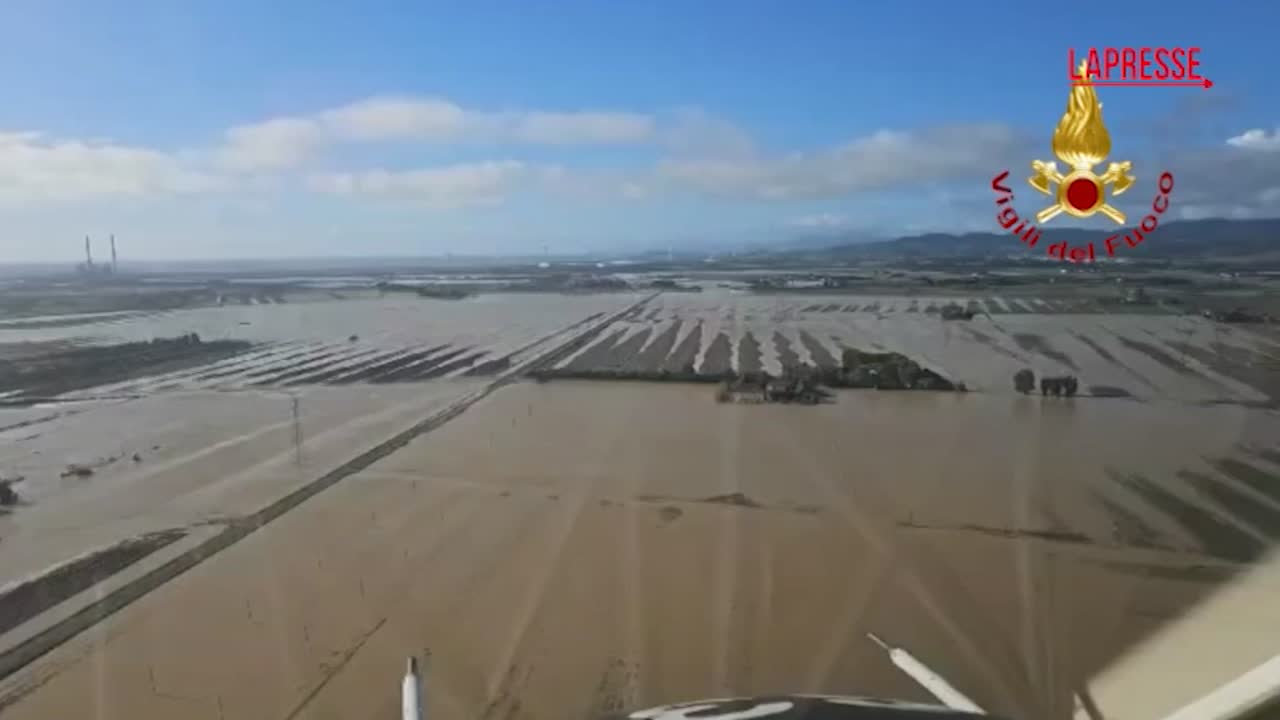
[19, 138]
[1257, 139]
[586, 128]
[881, 161]
[278, 144]
[691, 133]
[37, 169]
[593, 185]
[735, 170]
[1238, 180]
[290, 141]
[694, 154]
[429, 119]
[394, 118]
[440, 188]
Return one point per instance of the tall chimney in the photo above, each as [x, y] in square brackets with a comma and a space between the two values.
[113, 252]
[88, 254]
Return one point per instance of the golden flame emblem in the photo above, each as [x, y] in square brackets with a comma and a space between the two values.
[1081, 141]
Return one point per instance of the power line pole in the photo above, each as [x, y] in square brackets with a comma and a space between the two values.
[297, 431]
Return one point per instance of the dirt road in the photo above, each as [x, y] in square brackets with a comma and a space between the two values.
[568, 548]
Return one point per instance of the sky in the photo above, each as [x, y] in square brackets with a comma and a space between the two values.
[245, 129]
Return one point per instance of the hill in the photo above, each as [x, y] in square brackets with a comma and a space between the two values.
[1215, 238]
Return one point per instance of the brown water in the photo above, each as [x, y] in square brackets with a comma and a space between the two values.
[177, 459]
[576, 547]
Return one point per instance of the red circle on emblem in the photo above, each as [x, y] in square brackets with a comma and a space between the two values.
[1082, 194]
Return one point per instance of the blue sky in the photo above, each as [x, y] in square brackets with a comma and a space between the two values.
[239, 129]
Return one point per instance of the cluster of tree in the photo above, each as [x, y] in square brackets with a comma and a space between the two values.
[1024, 381]
[443, 292]
[768, 283]
[386, 287]
[673, 286]
[883, 371]
[8, 496]
[795, 386]
[795, 389]
[858, 369]
[596, 282]
[1065, 385]
[438, 292]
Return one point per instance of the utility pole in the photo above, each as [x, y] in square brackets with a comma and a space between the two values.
[297, 431]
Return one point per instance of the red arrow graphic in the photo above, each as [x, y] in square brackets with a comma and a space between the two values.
[1205, 83]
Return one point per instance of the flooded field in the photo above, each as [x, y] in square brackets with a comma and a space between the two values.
[1140, 355]
[336, 342]
[135, 429]
[576, 547]
[394, 340]
[315, 490]
[183, 459]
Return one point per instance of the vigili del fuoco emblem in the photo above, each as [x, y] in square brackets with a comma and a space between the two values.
[1082, 142]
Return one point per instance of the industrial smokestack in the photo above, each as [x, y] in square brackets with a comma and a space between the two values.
[88, 253]
[113, 252]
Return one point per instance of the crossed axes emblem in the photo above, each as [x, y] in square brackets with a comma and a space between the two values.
[1081, 193]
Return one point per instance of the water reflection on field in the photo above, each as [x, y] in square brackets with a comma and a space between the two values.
[583, 546]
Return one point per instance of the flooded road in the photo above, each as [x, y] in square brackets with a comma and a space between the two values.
[570, 548]
[179, 459]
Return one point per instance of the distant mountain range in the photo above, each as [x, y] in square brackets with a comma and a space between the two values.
[1213, 238]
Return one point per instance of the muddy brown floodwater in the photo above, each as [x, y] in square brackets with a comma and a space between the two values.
[575, 547]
